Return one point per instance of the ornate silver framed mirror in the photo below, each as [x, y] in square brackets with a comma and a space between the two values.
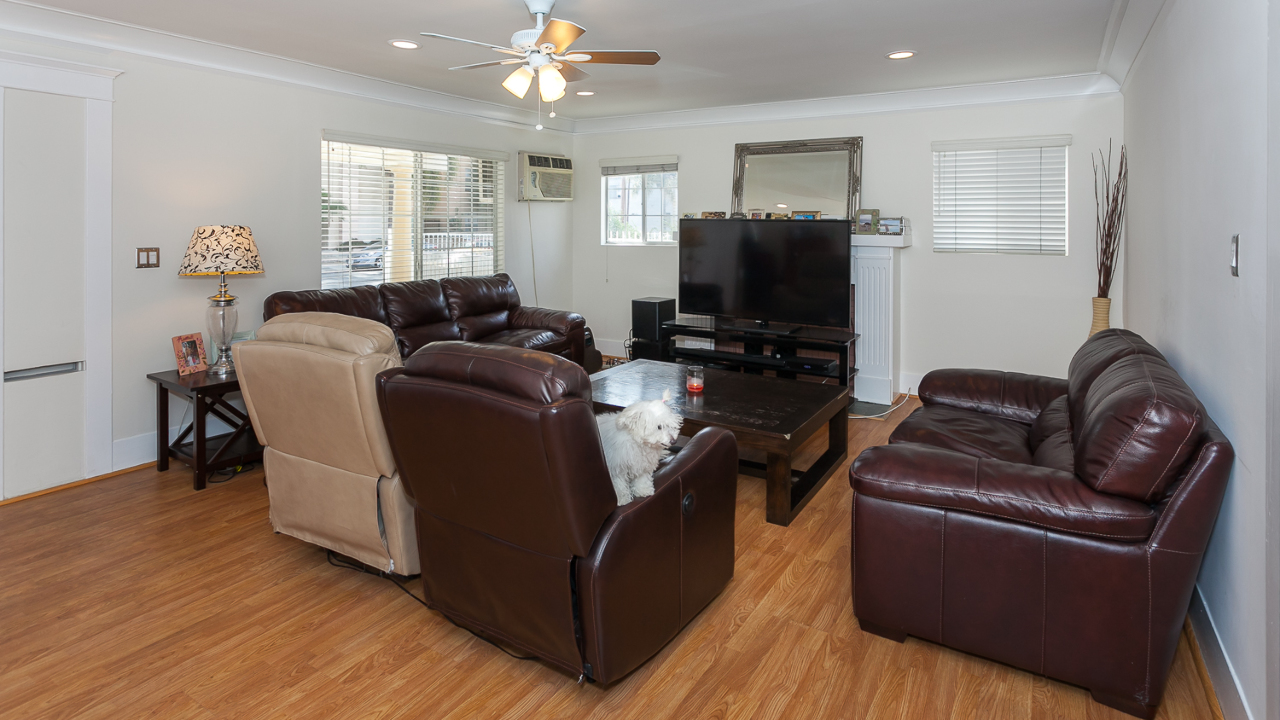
[822, 175]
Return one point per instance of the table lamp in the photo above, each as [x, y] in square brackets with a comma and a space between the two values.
[221, 250]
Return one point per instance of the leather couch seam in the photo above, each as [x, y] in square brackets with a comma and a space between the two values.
[1195, 416]
[1124, 516]
[942, 575]
[1126, 538]
[1044, 593]
[1195, 467]
[1106, 476]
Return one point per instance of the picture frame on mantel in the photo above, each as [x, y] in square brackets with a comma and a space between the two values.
[868, 221]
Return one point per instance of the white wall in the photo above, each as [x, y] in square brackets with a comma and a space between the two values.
[1196, 127]
[1021, 313]
[195, 146]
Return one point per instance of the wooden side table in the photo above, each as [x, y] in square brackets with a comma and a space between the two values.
[208, 392]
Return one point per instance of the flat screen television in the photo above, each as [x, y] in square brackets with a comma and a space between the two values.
[768, 271]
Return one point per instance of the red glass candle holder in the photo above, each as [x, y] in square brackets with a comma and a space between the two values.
[693, 379]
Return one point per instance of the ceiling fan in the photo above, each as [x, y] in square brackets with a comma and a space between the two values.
[542, 53]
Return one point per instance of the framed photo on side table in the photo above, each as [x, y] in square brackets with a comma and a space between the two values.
[189, 352]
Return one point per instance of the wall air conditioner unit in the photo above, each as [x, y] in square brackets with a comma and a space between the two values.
[545, 177]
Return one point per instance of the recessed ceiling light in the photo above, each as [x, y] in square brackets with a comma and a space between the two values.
[404, 44]
[782, 205]
[586, 93]
[900, 55]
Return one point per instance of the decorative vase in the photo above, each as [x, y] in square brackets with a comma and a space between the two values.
[1101, 315]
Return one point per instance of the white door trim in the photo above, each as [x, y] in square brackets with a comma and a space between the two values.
[95, 85]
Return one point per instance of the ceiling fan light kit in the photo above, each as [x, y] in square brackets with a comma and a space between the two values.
[542, 53]
[517, 83]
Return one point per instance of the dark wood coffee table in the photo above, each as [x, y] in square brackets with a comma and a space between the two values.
[767, 413]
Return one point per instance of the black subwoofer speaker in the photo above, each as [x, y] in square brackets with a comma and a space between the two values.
[647, 316]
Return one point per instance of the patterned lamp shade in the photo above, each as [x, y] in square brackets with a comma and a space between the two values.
[218, 249]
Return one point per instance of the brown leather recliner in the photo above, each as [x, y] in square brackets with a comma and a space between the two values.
[310, 384]
[478, 309]
[1054, 525]
[519, 531]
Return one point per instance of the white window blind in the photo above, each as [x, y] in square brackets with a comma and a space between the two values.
[641, 200]
[995, 197]
[391, 214]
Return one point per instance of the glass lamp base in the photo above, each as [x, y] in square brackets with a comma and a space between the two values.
[224, 366]
[221, 317]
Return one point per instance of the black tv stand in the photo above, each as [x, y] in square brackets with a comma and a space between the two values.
[782, 342]
[759, 327]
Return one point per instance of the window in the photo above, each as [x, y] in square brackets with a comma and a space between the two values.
[389, 214]
[640, 201]
[1001, 196]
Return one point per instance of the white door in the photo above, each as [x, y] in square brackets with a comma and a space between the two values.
[44, 325]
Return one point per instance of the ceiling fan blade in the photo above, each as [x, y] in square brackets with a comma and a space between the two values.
[499, 48]
[491, 63]
[619, 57]
[571, 73]
[560, 33]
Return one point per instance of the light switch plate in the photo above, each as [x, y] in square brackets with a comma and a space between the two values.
[149, 257]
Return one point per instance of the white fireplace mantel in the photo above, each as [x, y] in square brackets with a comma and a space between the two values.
[876, 315]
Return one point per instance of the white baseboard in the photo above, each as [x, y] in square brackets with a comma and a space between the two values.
[611, 347]
[1226, 684]
[909, 382]
[140, 449]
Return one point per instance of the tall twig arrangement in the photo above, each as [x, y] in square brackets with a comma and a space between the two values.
[1110, 197]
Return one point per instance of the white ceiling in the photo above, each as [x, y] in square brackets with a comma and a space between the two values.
[714, 52]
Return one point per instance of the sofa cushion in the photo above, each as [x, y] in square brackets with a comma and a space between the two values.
[529, 339]
[417, 311]
[1044, 497]
[472, 296]
[361, 301]
[1097, 354]
[1055, 418]
[1140, 424]
[1016, 396]
[966, 431]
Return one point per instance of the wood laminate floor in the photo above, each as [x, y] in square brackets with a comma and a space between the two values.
[136, 597]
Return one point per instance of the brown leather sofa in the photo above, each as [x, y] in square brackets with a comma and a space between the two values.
[519, 531]
[310, 384]
[1054, 525]
[476, 309]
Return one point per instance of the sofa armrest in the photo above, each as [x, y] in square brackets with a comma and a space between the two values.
[659, 560]
[524, 317]
[1029, 494]
[1007, 394]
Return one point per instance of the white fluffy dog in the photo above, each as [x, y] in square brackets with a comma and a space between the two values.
[634, 441]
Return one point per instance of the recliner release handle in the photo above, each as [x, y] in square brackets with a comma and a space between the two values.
[687, 505]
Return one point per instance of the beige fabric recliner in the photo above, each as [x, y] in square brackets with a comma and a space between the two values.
[309, 385]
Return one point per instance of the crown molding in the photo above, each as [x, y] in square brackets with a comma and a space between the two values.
[29, 19]
[32, 21]
[942, 97]
[1127, 31]
[20, 71]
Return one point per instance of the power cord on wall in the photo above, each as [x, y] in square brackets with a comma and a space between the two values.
[334, 561]
[533, 260]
